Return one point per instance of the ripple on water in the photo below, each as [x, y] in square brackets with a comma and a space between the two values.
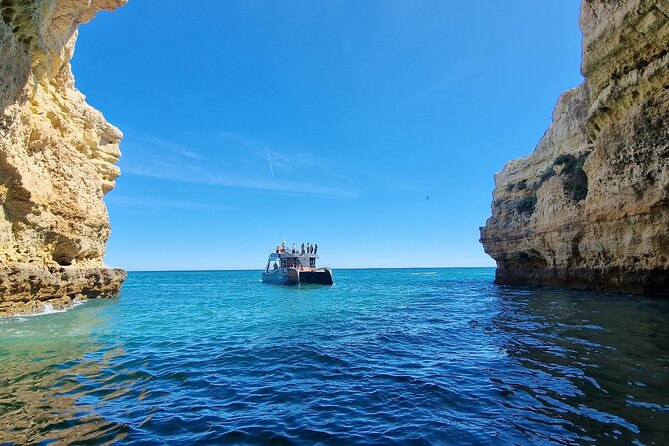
[434, 356]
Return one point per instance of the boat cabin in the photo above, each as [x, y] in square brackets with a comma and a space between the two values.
[303, 262]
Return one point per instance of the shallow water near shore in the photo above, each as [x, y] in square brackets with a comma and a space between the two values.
[410, 356]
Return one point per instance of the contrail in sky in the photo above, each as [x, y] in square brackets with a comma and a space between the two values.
[270, 160]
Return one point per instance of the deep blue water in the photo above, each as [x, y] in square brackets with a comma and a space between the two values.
[425, 356]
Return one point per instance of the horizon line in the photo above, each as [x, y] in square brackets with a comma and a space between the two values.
[262, 269]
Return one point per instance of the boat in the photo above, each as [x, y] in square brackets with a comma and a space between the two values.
[294, 268]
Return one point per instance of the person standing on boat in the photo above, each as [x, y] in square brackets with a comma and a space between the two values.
[302, 248]
[315, 248]
[283, 247]
[278, 249]
[308, 248]
[294, 248]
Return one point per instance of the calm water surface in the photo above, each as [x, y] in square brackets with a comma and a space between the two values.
[426, 356]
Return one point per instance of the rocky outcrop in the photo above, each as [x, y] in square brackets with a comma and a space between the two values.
[57, 158]
[589, 208]
[32, 289]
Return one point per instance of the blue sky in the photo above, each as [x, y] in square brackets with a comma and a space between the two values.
[366, 108]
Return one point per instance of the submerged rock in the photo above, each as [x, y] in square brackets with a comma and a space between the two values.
[57, 158]
[589, 208]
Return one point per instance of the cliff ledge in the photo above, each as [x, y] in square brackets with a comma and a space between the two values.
[589, 208]
[57, 158]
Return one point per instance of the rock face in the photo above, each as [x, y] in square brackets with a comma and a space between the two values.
[589, 208]
[57, 158]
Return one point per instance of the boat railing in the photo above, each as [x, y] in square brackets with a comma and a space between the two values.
[289, 251]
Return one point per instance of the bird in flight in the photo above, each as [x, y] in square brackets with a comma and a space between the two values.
[427, 198]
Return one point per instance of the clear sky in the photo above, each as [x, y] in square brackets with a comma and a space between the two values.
[366, 108]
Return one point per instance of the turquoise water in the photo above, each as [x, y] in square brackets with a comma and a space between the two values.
[425, 356]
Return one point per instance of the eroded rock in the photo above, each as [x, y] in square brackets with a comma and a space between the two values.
[57, 156]
[589, 208]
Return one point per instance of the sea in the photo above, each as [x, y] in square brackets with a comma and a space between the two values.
[383, 357]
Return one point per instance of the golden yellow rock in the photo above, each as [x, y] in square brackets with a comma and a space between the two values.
[57, 158]
[589, 208]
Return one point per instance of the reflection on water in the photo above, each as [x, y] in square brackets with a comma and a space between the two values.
[43, 362]
[383, 357]
[600, 361]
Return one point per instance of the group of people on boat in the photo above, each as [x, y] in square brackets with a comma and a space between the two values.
[308, 249]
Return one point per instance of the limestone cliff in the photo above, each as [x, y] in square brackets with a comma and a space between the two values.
[589, 208]
[57, 158]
